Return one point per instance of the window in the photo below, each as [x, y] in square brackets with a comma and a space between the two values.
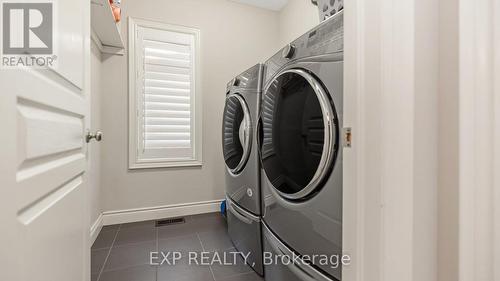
[164, 94]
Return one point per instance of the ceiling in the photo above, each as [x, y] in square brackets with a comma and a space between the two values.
[274, 5]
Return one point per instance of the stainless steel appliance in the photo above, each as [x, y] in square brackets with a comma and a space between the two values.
[242, 164]
[301, 153]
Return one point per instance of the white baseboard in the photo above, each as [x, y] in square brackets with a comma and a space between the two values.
[95, 229]
[160, 212]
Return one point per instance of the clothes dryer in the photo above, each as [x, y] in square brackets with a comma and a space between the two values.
[301, 153]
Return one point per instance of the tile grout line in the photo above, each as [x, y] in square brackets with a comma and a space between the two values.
[109, 253]
[203, 249]
[240, 274]
[158, 250]
[134, 243]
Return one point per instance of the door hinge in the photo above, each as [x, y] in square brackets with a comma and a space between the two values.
[347, 137]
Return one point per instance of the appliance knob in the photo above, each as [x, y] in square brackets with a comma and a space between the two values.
[236, 82]
[288, 51]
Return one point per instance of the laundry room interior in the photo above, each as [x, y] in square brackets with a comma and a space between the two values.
[228, 80]
[250, 140]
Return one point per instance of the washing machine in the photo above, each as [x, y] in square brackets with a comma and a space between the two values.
[300, 147]
[242, 164]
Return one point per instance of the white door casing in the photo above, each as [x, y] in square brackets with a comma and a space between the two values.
[43, 180]
[390, 176]
[390, 226]
[479, 140]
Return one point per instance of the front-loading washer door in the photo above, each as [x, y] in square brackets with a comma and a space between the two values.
[299, 134]
[236, 133]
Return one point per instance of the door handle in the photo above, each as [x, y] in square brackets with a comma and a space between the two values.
[97, 136]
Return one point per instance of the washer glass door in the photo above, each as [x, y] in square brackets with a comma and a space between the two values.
[299, 134]
[236, 133]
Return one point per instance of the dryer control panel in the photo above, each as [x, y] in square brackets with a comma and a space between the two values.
[326, 38]
[249, 80]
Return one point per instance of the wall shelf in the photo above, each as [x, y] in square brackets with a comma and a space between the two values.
[105, 31]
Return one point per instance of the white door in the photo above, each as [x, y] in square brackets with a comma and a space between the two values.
[43, 182]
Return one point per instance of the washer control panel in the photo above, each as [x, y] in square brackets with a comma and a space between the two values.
[326, 38]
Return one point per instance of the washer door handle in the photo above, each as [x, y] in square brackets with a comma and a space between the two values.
[244, 134]
[260, 137]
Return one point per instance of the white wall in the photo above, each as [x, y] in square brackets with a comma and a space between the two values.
[296, 18]
[95, 124]
[233, 38]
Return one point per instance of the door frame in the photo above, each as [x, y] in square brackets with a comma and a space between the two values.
[450, 149]
[390, 170]
[479, 140]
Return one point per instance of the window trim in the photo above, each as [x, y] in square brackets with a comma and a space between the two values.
[135, 161]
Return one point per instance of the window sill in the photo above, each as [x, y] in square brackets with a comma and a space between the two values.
[158, 165]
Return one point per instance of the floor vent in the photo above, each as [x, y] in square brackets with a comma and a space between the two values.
[167, 222]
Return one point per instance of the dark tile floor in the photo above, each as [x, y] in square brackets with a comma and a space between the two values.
[122, 252]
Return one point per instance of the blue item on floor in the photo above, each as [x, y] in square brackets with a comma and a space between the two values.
[223, 208]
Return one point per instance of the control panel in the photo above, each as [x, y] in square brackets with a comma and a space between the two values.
[249, 80]
[326, 38]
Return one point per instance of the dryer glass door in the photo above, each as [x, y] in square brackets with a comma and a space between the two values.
[299, 134]
[236, 133]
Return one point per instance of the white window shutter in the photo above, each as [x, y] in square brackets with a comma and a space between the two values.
[165, 94]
